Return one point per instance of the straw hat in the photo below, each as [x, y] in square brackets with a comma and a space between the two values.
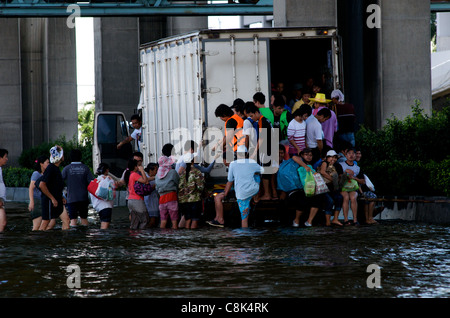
[320, 98]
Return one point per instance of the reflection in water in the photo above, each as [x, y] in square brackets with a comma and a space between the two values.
[270, 261]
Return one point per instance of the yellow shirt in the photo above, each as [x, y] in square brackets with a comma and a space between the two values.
[298, 104]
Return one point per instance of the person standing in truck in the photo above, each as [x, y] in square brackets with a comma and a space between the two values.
[136, 122]
[233, 136]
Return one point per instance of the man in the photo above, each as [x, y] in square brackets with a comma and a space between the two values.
[279, 117]
[304, 100]
[136, 122]
[3, 161]
[263, 149]
[242, 173]
[52, 185]
[78, 177]
[346, 118]
[330, 126]
[314, 132]
[233, 136]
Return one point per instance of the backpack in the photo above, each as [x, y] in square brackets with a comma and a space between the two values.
[287, 176]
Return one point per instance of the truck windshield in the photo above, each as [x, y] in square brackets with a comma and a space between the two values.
[111, 129]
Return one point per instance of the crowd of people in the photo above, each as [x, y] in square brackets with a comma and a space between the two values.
[313, 137]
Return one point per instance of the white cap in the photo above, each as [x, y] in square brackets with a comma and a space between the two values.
[331, 153]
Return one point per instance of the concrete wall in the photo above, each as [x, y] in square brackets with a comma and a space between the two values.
[37, 83]
[405, 57]
[10, 89]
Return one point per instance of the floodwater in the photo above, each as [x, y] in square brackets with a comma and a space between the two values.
[267, 261]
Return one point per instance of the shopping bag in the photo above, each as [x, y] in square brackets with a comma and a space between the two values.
[369, 183]
[321, 186]
[143, 189]
[105, 190]
[350, 185]
[92, 187]
[310, 184]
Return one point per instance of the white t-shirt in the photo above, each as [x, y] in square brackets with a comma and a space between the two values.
[250, 131]
[2, 186]
[314, 132]
[136, 135]
[242, 173]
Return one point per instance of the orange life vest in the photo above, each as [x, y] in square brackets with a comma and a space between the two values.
[238, 139]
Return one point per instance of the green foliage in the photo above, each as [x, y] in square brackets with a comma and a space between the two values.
[86, 123]
[28, 156]
[17, 177]
[410, 156]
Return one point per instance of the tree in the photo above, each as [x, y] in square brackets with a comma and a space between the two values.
[86, 123]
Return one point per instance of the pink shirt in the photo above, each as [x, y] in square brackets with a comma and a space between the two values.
[329, 127]
[131, 194]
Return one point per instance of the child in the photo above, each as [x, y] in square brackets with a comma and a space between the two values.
[334, 197]
[166, 181]
[35, 205]
[351, 173]
[152, 200]
[296, 131]
[192, 184]
[242, 173]
[3, 161]
[136, 204]
[103, 207]
[369, 206]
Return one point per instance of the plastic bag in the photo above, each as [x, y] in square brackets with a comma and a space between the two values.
[369, 183]
[321, 186]
[92, 187]
[310, 184]
[350, 185]
[105, 190]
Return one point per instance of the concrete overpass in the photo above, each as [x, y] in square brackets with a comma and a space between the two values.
[386, 64]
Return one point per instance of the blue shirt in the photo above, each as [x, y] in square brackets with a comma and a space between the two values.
[242, 173]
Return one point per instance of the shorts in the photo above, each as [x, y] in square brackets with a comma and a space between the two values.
[105, 215]
[50, 212]
[298, 200]
[37, 211]
[169, 209]
[244, 207]
[369, 195]
[191, 210]
[76, 209]
[139, 215]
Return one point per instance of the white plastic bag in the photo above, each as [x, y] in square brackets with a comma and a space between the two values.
[369, 183]
[105, 190]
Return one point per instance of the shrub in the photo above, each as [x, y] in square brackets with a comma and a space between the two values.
[17, 177]
[410, 156]
[28, 156]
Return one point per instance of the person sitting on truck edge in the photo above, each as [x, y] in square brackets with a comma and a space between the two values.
[136, 122]
[233, 136]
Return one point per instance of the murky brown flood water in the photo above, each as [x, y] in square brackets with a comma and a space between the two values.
[268, 261]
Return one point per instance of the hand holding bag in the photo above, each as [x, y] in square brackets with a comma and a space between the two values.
[321, 186]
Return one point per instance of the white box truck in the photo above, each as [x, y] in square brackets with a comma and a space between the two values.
[184, 78]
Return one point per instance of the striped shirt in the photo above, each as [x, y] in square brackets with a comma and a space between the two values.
[296, 131]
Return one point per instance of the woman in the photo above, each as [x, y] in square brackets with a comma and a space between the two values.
[103, 207]
[136, 205]
[35, 205]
